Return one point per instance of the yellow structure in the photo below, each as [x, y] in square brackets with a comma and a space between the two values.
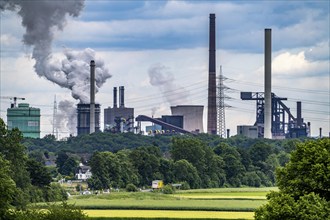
[157, 184]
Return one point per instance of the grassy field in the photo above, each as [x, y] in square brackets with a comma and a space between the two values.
[229, 193]
[152, 214]
[180, 204]
[222, 203]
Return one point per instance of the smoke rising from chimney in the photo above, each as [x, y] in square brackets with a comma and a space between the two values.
[66, 117]
[41, 19]
[74, 73]
[160, 76]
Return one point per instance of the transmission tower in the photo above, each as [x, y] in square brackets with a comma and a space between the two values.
[55, 131]
[221, 125]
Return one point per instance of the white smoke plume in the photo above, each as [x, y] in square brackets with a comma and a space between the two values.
[154, 110]
[41, 19]
[74, 73]
[160, 76]
[66, 117]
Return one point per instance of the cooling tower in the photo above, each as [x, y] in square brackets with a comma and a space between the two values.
[83, 118]
[192, 116]
[268, 85]
[212, 101]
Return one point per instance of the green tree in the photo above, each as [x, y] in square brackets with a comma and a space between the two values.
[304, 185]
[185, 172]
[15, 153]
[209, 165]
[38, 173]
[69, 167]
[166, 169]
[100, 178]
[128, 174]
[146, 161]
[308, 170]
[259, 152]
[7, 186]
[37, 155]
[190, 149]
[282, 206]
[60, 159]
[233, 166]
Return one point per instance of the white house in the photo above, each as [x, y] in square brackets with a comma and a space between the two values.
[83, 172]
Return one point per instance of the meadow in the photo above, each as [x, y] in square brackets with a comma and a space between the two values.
[221, 203]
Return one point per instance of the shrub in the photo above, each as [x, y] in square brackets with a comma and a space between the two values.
[63, 211]
[185, 186]
[168, 189]
[131, 188]
[55, 193]
[79, 188]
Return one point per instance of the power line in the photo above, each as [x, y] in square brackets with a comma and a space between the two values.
[281, 87]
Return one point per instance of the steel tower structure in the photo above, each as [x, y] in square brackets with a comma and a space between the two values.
[221, 126]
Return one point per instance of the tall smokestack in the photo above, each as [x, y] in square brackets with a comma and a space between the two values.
[268, 85]
[121, 97]
[228, 133]
[115, 97]
[299, 119]
[92, 97]
[309, 129]
[212, 108]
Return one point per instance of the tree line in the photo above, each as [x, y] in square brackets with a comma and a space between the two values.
[190, 161]
[197, 161]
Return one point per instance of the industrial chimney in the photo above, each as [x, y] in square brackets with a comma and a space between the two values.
[309, 129]
[299, 119]
[121, 97]
[115, 97]
[212, 108]
[268, 85]
[92, 97]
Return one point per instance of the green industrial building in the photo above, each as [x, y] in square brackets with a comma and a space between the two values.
[25, 118]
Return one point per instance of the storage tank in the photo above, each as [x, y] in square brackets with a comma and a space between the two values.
[192, 116]
[25, 118]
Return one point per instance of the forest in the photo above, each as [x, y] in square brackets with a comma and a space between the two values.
[202, 161]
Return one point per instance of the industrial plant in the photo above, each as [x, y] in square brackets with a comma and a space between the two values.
[273, 117]
[25, 118]
[119, 118]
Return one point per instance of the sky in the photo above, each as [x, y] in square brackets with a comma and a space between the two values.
[158, 50]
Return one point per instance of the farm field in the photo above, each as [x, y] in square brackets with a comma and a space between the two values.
[152, 214]
[222, 203]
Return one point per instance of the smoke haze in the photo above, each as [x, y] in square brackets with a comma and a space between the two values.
[66, 117]
[161, 77]
[41, 19]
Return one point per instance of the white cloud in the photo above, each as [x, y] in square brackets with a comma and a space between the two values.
[8, 40]
[321, 51]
